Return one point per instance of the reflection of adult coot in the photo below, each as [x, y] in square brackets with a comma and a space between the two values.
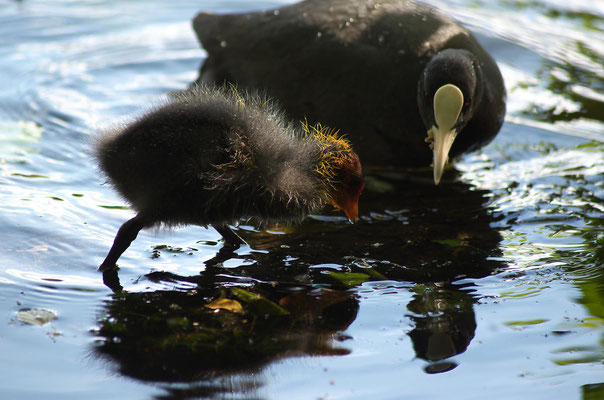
[412, 232]
[388, 73]
[197, 336]
[445, 324]
[422, 235]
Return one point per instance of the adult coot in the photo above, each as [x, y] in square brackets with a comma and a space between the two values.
[386, 72]
[211, 157]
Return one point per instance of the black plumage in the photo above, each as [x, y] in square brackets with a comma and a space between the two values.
[368, 67]
[213, 156]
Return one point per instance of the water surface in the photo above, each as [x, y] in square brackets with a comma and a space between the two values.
[490, 284]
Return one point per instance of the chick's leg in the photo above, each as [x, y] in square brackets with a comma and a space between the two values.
[125, 235]
[230, 237]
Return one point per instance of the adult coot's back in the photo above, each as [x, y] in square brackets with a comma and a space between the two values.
[372, 69]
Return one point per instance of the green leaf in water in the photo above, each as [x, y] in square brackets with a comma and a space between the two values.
[591, 145]
[524, 323]
[267, 307]
[528, 291]
[449, 242]
[244, 295]
[225, 304]
[261, 304]
[115, 207]
[29, 175]
[349, 279]
[595, 358]
[375, 274]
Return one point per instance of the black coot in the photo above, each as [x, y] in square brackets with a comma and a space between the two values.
[211, 157]
[392, 74]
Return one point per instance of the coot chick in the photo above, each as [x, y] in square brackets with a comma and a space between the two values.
[371, 68]
[212, 157]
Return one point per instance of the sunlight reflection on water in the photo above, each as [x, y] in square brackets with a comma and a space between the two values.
[371, 307]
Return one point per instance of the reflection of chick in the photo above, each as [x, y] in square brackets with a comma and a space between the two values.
[211, 157]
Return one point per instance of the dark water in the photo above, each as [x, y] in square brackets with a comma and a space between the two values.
[490, 285]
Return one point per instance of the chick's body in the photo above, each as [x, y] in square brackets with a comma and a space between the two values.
[211, 157]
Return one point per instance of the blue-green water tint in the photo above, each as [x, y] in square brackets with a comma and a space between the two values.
[490, 285]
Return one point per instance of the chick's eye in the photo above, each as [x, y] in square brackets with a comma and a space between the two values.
[353, 181]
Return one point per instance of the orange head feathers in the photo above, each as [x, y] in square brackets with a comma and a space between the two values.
[340, 168]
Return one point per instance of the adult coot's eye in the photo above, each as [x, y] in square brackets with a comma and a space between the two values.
[428, 98]
[467, 104]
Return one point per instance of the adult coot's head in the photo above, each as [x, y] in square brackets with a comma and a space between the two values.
[449, 93]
